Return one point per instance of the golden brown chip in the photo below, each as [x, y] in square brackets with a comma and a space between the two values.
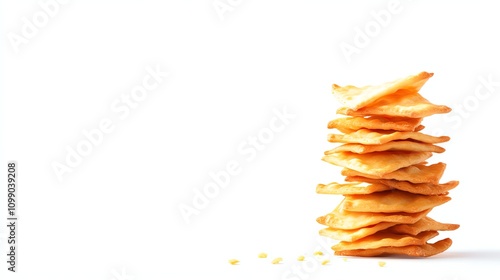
[392, 201]
[425, 250]
[354, 234]
[424, 224]
[402, 103]
[377, 137]
[377, 163]
[354, 98]
[384, 239]
[342, 219]
[401, 145]
[350, 188]
[419, 173]
[376, 122]
[419, 188]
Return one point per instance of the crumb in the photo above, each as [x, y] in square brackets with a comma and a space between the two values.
[300, 258]
[381, 264]
[262, 255]
[277, 260]
[233, 261]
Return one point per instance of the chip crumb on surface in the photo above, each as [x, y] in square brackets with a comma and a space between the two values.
[262, 255]
[318, 253]
[277, 260]
[234, 261]
[344, 259]
[300, 258]
[325, 262]
[381, 264]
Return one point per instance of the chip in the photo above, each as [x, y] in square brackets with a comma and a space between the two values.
[349, 124]
[351, 188]
[402, 103]
[384, 239]
[392, 202]
[418, 173]
[419, 188]
[425, 250]
[424, 224]
[342, 219]
[354, 98]
[370, 163]
[377, 137]
[409, 146]
[354, 234]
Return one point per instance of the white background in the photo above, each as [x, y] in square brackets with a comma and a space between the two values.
[116, 215]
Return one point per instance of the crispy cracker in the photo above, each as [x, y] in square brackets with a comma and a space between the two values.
[354, 98]
[376, 122]
[419, 188]
[425, 250]
[377, 137]
[424, 224]
[384, 239]
[401, 145]
[350, 235]
[342, 219]
[392, 201]
[350, 188]
[418, 173]
[402, 103]
[377, 163]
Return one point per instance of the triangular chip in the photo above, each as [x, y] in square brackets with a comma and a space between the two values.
[351, 188]
[376, 122]
[425, 250]
[354, 234]
[354, 98]
[383, 239]
[402, 103]
[392, 201]
[377, 137]
[377, 163]
[418, 188]
[342, 219]
[424, 224]
[418, 173]
[400, 145]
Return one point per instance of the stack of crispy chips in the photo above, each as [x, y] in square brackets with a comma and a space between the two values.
[390, 188]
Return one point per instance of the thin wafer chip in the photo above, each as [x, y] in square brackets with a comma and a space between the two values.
[371, 163]
[350, 235]
[425, 250]
[377, 137]
[384, 239]
[354, 98]
[424, 224]
[402, 103]
[341, 219]
[400, 145]
[351, 188]
[419, 188]
[376, 122]
[392, 201]
[418, 173]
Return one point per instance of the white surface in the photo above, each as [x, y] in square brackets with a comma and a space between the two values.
[116, 216]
